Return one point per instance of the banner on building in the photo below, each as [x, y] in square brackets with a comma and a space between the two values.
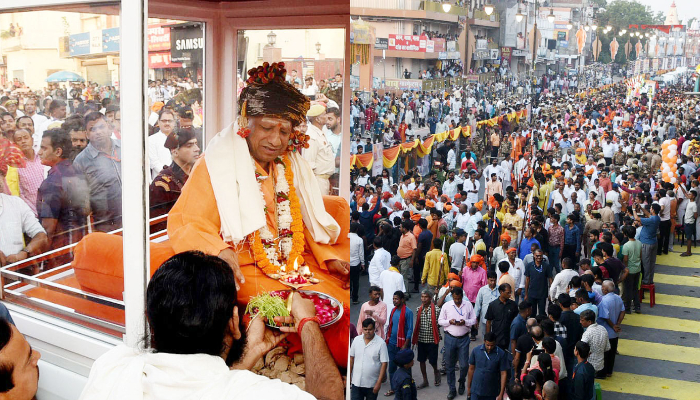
[354, 81]
[161, 59]
[505, 56]
[158, 38]
[403, 84]
[482, 44]
[408, 43]
[449, 55]
[452, 45]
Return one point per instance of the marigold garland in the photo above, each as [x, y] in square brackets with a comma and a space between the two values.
[296, 230]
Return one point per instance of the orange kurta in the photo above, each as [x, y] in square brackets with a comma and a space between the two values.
[194, 224]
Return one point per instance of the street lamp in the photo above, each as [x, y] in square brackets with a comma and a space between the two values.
[569, 25]
[488, 8]
[446, 7]
[587, 28]
[271, 38]
[318, 47]
[608, 27]
[519, 16]
[551, 16]
[594, 26]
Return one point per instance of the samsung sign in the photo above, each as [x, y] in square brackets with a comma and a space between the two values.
[187, 43]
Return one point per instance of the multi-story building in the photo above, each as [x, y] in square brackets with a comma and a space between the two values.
[411, 39]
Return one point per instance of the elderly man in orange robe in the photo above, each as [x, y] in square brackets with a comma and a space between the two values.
[253, 200]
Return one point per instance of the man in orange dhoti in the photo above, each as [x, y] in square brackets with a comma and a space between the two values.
[253, 201]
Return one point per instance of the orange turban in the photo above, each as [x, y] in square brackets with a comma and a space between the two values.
[432, 193]
[493, 203]
[505, 236]
[386, 196]
[557, 174]
[457, 196]
[476, 258]
[479, 205]
[511, 250]
[447, 207]
[452, 275]
[415, 217]
[455, 284]
[361, 201]
[429, 203]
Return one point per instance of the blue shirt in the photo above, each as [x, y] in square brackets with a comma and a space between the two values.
[610, 308]
[649, 227]
[518, 327]
[525, 245]
[486, 381]
[587, 306]
[367, 218]
[395, 326]
[572, 236]
[539, 279]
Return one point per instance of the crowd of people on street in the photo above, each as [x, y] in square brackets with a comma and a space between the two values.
[536, 234]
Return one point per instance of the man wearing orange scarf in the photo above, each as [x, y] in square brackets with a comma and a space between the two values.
[399, 333]
[426, 336]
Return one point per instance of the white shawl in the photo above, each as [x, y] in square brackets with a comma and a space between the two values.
[240, 204]
[125, 373]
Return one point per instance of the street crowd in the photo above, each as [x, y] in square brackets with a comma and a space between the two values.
[536, 235]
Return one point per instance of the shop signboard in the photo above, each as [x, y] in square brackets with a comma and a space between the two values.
[79, 44]
[158, 38]
[403, 84]
[430, 46]
[408, 43]
[381, 43]
[449, 55]
[186, 43]
[493, 54]
[354, 81]
[96, 42]
[161, 59]
[110, 40]
[482, 55]
[452, 45]
[439, 45]
[472, 78]
[519, 53]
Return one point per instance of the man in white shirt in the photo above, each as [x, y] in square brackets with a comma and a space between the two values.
[381, 261]
[369, 359]
[16, 221]
[159, 156]
[516, 271]
[449, 188]
[471, 186]
[210, 373]
[689, 220]
[665, 226]
[38, 119]
[458, 249]
[452, 157]
[357, 261]
[462, 217]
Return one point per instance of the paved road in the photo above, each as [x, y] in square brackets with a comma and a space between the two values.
[659, 350]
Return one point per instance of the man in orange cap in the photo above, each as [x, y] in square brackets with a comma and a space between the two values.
[474, 278]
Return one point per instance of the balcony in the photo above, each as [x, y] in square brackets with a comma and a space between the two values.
[11, 43]
[405, 9]
[480, 18]
[387, 4]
